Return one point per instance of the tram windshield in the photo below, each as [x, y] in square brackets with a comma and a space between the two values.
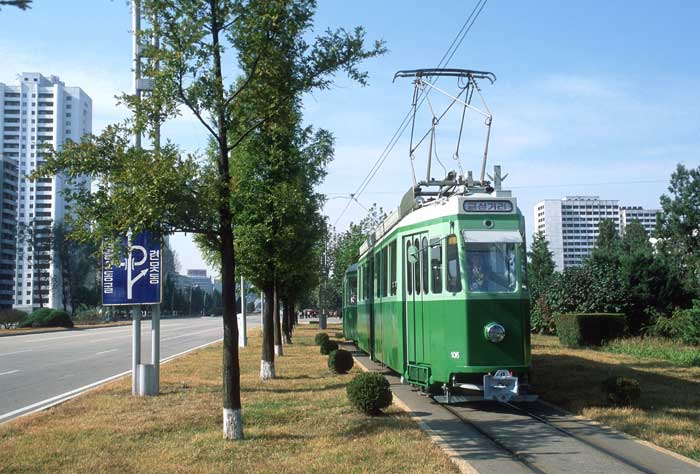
[490, 266]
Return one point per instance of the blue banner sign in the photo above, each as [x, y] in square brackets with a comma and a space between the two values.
[137, 278]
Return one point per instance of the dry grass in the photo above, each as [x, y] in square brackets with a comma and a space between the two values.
[669, 409]
[298, 423]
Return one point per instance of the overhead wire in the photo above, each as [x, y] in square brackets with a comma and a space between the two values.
[446, 58]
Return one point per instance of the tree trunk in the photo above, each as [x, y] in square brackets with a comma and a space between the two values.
[232, 416]
[287, 322]
[267, 364]
[278, 327]
[233, 421]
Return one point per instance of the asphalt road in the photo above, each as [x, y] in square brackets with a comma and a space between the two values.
[38, 370]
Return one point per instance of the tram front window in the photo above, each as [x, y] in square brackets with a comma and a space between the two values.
[491, 267]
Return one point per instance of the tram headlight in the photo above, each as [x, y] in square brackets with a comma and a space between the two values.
[494, 332]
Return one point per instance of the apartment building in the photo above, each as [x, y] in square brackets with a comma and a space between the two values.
[35, 112]
[571, 224]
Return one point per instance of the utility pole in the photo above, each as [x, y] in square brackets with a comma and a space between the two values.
[321, 292]
[135, 310]
[243, 328]
[145, 377]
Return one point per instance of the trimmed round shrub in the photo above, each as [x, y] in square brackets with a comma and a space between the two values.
[621, 391]
[328, 346]
[369, 393]
[320, 337]
[340, 361]
[47, 317]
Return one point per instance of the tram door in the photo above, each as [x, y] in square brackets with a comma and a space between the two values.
[415, 261]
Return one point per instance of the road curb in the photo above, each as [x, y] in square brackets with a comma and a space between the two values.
[64, 397]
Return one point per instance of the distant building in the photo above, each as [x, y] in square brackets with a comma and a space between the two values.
[8, 229]
[571, 224]
[199, 278]
[181, 282]
[647, 217]
[38, 110]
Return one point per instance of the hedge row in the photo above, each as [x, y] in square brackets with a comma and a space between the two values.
[47, 317]
[589, 329]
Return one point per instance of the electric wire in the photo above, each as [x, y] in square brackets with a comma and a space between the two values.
[446, 58]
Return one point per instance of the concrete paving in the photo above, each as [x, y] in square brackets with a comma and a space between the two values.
[38, 369]
[491, 438]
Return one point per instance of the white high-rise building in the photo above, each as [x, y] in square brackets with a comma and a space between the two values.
[570, 225]
[39, 110]
[647, 217]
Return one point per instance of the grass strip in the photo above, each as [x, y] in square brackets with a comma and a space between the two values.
[656, 348]
[668, 413]
[298, 423]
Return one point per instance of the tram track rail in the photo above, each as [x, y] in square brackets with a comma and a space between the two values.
[571, 447]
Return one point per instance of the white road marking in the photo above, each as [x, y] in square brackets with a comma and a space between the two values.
[104, 352]
[10, 372]
[191, 334]
[15, 352]
[49, 402]
[93, 332]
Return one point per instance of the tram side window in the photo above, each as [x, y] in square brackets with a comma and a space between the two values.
[353, 291]
[436, 265]
[424, 263]
[385, 267]
[365, 280]
[392, 266]
[416, 271]
[377, 281]
[454, 280]
[409, 270]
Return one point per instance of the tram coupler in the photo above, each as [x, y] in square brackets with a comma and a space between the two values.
[501, 386]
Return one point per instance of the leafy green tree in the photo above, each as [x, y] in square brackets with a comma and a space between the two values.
[592, 288]
[344, 250]
[653, 287]
[678, 227]
[540, 275]
[21, 4]
[163, 190]
[38, 238]
[607, 245]
[76, 269]
[541, 265]
[277, 168]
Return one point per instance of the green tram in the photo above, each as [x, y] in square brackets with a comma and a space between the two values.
[438, 296]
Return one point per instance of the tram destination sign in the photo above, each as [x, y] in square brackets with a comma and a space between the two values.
[136, 279]
[490, 205]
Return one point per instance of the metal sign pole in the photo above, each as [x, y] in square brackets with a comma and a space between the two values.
[135, 349]
[155, 348]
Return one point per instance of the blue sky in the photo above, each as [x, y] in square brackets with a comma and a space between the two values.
[596, 97]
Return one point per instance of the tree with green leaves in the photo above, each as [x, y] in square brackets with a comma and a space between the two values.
[541, 265]
[344, 250]
[21, 4]
[163, 190]
[654, 289]
[607, 244]
[75, 268]
[37, 237]
[678, 226]
[540, 273]
[276, 170]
